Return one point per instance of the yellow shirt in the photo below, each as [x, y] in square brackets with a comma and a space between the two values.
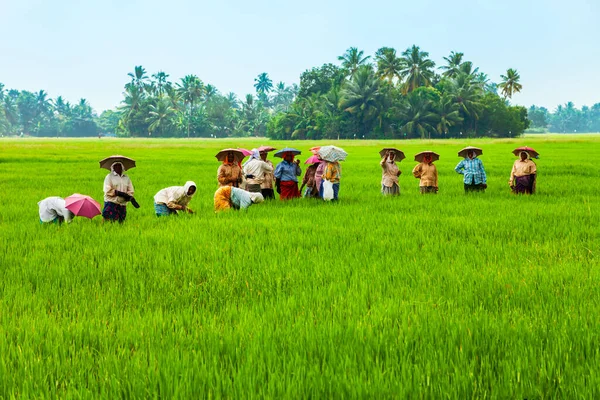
[427, 173]
[522, 168]
[333, 172]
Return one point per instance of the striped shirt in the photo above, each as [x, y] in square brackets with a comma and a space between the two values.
[472, 170]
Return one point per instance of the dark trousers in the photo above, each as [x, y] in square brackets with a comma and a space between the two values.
[268, 193]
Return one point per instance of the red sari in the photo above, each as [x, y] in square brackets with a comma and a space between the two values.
[289, 190]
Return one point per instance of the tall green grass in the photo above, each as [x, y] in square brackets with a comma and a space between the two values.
[448, 296]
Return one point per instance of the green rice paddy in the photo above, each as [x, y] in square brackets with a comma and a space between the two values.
[450, 296]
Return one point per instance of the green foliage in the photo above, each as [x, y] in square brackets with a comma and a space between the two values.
[429, 297]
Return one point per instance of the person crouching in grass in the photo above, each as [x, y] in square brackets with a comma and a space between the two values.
[169, 201]
[228, 197]
[53, 211]
[118, 191]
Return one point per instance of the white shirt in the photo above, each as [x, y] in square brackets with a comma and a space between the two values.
[114, 182]
[257, 168]
[52, 208]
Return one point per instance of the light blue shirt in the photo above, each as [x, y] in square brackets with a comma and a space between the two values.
[240, 198]
[287, 171]
[472, 170]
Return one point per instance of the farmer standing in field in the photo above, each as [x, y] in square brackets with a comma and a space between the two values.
[170, 200]
[254, 170]
[227, 197]
[523, 173]
[309, 178]
[230, 173]
[286, 175]
[475, 179]
[390, 171]
[266, 187]
[52, 210]
[118, 191]
[426, 172]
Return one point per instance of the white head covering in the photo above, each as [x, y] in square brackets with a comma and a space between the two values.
[526, 155]
[187, 187]
[256, 197]
[112, 167]
[255, 155]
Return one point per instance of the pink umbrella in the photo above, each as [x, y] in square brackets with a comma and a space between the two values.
[82, 205]
[266, 148]
[245, 152]
[313, 160]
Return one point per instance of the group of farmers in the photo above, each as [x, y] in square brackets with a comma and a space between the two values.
[522, 175]
[241, 185]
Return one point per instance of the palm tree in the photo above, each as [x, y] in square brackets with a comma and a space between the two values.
[263, 83]
[138, 77]
[417, 69]
[352, 59]
[510, 83]
[417, 115]
[360, 96]
[454, 61]
[191, 89]
[467, 94]
[388, 64]
[447, 111]
[160, 116]
[232, 100]
[43, 104]
[210, 91]
[161, 82]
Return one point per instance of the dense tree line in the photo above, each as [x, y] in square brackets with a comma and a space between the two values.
[24, 112]
[565, 119]
[384, 96]
[400, 96]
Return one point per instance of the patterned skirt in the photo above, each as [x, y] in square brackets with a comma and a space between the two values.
[390, 191]
[114, 212]
[525, 184]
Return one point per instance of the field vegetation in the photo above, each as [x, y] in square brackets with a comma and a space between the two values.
[449, 296]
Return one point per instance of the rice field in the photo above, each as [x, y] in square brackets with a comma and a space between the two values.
[449, 296]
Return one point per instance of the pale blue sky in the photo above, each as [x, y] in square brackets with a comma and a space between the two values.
[79, 48]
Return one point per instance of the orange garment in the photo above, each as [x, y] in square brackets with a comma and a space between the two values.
[222, 198]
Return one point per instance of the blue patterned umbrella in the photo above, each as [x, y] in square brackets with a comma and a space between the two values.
[332, 153]
[287, 150]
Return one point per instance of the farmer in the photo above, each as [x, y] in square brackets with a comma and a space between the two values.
[389, 174]
[286, 177]
[427, 173]
[309, 181]
[523, 174]
[319, 176]
[266, 187]
[254, 170]
[332, 173]
[118, 191]
[227, 197]
[53, 210]
[230, 172]
[170, 200]
[471, 168]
